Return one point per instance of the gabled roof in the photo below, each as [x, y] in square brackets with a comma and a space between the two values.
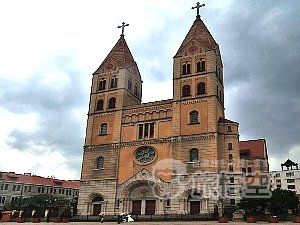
[198, 35]
[289, 163]
[37, 180]
[119, 57]
[256, 148]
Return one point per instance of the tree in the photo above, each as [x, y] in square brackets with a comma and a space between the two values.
[283, 200]
[279, 203]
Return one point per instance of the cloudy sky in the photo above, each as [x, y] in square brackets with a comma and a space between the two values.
[49, 49]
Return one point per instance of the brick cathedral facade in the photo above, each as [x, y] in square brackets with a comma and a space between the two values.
[173, 156]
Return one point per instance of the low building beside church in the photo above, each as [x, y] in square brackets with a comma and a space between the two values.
[173, 156]
[288, 178]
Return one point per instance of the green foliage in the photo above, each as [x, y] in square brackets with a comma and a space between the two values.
[277, 204]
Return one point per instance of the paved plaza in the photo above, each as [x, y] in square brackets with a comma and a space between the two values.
[149, 223]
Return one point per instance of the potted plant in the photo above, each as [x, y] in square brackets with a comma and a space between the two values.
[273, 219]
[66, 215]
[34, 215]
[21, 218]
[223, 219]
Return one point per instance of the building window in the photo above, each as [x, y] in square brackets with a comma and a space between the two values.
[18, 187]
[229, 146]
[6, 187]
[103, 129]
[231, 180]
[290, 181]
[201, 88]
[230, 168]
[230, 158]
[201, 65]
[113, 82]
[135, 90]
[168, 203]
[186, 68]
[102, 84]
[100, 162]
[186, 91]
[291, 187]
[129, 85]
[232, 201]
[194, 155]
[249, 171]
[277, 175]
[112, 103]
[290, 174]
[2, 199]
[14, 188]
[244, 171]
[194, 117]
[229, 129]
[100, 104]
[231, 191]
[146, 130]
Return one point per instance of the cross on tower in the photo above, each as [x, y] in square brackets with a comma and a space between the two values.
[198, 6]
[123, 26]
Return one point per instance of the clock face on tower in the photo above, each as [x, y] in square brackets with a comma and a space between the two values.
[145, 154]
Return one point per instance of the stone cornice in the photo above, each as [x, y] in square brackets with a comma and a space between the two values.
[151, 142]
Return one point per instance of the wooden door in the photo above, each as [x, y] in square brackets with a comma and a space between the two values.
[96, 209]
[136, 207]
[194, 207]
[150, 207]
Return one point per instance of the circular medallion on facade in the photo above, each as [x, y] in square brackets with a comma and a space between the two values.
[145, 154]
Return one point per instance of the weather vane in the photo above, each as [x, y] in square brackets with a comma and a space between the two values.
[123, 26]
[198, 6]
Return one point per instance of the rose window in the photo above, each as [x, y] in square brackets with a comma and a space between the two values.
[145, 154]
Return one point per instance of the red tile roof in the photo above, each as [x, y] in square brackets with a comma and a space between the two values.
[37, 180]
[257, 148]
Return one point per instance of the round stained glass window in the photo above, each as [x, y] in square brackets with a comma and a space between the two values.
[145, 154]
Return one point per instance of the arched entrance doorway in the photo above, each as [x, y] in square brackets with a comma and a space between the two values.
[97, 205]
[142, 198]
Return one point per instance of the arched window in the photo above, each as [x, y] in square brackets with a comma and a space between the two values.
[100, 162]
[130, 85]
[194, 117]
[186, 68]
[114, 82]
[201, 65]
[135, 92]
[112, 103]
[102, 84]
[231, 180]
[230, 158]
[99, 104]
[103, 128]
[186, 90]
[201, 88]
[194, 155]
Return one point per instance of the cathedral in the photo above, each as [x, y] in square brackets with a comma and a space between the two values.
[173, 156]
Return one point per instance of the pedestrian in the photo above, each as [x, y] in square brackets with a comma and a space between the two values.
[47, 216]
[101, 217]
